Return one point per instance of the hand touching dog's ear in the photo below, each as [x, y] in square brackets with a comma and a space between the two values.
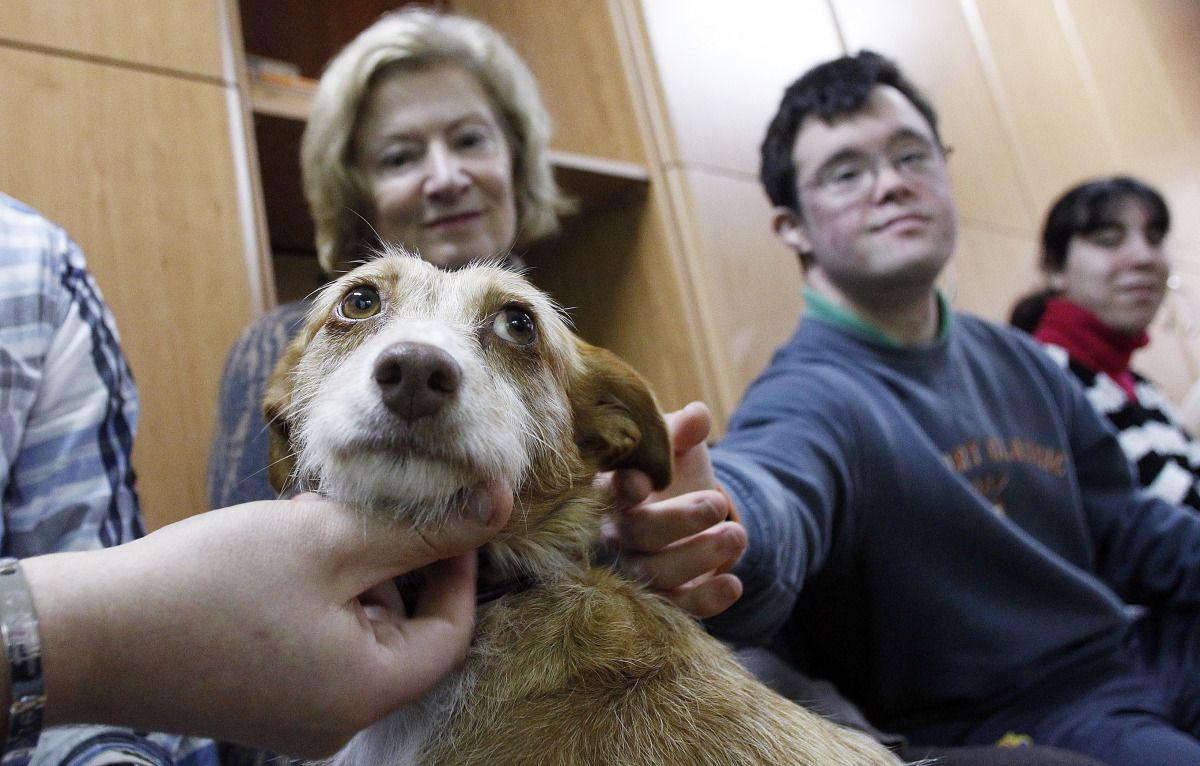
[679, 540]
[617, 422]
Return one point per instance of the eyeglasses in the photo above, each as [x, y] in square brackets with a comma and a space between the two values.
[850, 177]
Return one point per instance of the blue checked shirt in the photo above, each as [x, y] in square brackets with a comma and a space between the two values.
[68, 412]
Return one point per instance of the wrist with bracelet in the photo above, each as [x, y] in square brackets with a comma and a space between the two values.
[25, 693]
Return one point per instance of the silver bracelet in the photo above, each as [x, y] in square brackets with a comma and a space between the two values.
[23, 650]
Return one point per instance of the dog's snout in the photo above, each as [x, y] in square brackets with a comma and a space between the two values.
[416, 379]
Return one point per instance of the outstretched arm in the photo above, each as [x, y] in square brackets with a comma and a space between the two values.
[680, 541]
[275, 623]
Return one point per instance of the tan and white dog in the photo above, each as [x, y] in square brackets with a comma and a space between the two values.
[408, 386]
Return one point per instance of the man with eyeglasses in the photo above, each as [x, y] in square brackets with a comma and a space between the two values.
[937, 520]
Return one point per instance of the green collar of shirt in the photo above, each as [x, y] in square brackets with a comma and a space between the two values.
[819, 307]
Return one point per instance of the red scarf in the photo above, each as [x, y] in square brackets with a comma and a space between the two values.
[1089, 341]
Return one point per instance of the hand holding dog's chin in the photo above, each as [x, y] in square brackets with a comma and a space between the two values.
[678, 540]
[244, 624]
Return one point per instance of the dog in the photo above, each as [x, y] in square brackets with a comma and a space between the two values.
[407, 386]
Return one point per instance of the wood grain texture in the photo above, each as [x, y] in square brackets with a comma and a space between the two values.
[609, 269]
[937, 47]
[572, 50]
[182, 35]
[1149, 104]
[139, 168]
[722, 68]
[755, 281]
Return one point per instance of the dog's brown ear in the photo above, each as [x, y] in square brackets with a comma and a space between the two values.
[617, 421]
[282, 458]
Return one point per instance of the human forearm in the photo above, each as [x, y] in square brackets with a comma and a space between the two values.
[773, 564]
[274, 624]
[80, 618]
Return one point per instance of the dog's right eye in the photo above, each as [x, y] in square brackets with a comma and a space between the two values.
[360, 303]
[514, 325]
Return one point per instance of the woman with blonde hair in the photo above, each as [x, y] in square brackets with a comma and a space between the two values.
[426, 131]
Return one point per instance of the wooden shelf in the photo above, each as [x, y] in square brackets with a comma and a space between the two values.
[597, 184]
[573, 162]
[292, 102]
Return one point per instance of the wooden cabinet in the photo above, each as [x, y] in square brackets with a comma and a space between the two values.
[121, 124]
[182, 36]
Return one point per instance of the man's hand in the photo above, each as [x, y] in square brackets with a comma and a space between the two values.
[678, 540]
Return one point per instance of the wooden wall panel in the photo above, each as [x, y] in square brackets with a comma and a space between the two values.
[714, 78]
[1174, 26]
[1062, 132]
[1146, 110]
[152, 200]
[572, 49]
[610, 271]
[181, 34]
[723, 67]
[934, 43]
[756, 298]
[990, 270]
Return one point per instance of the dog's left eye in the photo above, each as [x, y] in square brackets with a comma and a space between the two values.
[361, 303]
[514, 325]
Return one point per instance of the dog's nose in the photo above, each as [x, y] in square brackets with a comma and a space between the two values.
[416, 379]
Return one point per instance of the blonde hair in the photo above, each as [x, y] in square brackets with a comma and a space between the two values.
[413, 37]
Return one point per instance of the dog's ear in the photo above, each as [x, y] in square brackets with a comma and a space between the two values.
[617, 421]
[282, 458]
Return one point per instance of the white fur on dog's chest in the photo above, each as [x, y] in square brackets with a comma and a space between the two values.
[399, 739]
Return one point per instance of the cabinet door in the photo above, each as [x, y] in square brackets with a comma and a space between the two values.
[179, 35]
[139, 168]
[574, 51]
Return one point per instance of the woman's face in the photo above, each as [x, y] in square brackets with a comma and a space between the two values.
[1118, 272]
[438, 166]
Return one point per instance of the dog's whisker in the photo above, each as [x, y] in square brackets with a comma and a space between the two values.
[293, 483]
[543, 444]
[248, 479]
[312, 294]
[378, 237]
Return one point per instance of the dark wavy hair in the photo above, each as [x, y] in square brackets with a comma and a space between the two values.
[828, 90]
[1082, 210]
[1090, 206]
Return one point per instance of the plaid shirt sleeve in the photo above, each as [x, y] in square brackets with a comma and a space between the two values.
[68, 411]
[67, 398]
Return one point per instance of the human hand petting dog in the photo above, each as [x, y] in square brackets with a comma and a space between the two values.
[679, 540]
[273, 624]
